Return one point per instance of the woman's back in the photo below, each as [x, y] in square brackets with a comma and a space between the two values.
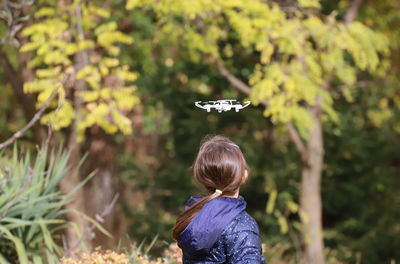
[222, 232]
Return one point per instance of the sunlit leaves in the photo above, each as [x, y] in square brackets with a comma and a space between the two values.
[309, 3]
[295, 53]
[109, 95]
[108, 35]
[64, 117]
[130, 4]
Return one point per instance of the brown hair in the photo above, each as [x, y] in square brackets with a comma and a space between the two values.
[220, 164]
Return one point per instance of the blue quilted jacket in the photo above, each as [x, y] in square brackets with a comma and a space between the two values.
[222, 232]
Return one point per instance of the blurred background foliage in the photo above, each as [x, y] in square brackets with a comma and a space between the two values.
[150, 163]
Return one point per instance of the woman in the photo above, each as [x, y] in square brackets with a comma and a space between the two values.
[216, 228]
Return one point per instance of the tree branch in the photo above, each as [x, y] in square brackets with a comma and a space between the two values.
[352, 12]
[241, 86]
[12, 15]
[244, 88]
[35, 118]
[298, 142]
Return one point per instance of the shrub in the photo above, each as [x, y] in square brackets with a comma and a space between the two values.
[31, 206]
[134, 255]
[96, 257]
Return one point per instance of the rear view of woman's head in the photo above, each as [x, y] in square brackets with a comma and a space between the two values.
[220, 164]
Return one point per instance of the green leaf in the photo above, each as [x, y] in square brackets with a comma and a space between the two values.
[22, 256]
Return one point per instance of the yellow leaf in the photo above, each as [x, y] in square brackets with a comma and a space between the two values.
[105, 93]
[107, 126]
[30, 46]
[110, 26]
[293, 207]
[46, 11]
[283, 224]
[309, 3]
[266, 54]
[123, 123]
[271, 201]
[110, 62]
[130, 4]
[99, 11]
[89, 96]
[86, 44]
[126, 75]
[48, 73]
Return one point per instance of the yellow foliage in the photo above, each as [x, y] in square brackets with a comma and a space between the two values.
[299, 52]
[309, 3]
[171, 255]
[379, 116]
[48, 73]
[130, 4]
[271, 201]
[126, 75]
[96, 257]
[30, 46]
[89, 96]
[266, 53]
[107, 38]
[125, 97]
[64, 117]
[123, 123]
[110, 62]
[85, 44]
[296, 53]
[99, 11]
[54, 45]
[105, 93]
[46, 11]
[37, 85]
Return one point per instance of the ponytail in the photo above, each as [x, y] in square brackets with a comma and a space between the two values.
[187, 216]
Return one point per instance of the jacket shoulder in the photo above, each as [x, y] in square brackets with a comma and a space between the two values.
[242, 242]
[241, 223]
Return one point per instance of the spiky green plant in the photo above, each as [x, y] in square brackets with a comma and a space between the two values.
[31, 206]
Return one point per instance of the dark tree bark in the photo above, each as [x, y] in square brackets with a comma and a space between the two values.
[101, 189]
[17, 77]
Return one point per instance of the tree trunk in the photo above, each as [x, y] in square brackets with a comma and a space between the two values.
[81, 60]
[100, 191]
[311, 155]
[310, 194]
[73, 178]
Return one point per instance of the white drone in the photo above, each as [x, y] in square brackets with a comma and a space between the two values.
[222, 105]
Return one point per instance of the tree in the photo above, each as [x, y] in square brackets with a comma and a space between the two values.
[299, 57]
[82, 40]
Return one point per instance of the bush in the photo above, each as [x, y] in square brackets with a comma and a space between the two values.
[134, 255]
[31, 206]
[96, 257]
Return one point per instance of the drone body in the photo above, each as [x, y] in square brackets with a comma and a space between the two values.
[222, 105]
